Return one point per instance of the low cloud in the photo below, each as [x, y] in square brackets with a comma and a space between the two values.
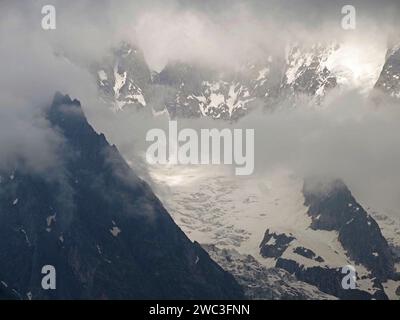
[347, 137]
[31, 73]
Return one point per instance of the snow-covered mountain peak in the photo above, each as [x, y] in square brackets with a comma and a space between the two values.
[123, 78]
[389, 79]
[196, 90]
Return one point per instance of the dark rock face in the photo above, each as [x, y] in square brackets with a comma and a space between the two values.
[273, 245]
[186, 81]
[100, 226]
[328, 280]
[6, 293]
[308, 253]
[311, 77]
[200, 91]
[332, 207]
[389, 79]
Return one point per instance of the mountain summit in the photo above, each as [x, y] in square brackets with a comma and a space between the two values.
[99, 225]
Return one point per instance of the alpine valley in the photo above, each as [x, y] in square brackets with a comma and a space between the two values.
[115, 226]
[280, 235]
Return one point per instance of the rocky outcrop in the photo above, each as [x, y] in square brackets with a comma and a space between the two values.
[389, 79]
[273, 245]
[259, 282]
[308, 253]
[124, 79]
[329, 280]
[333, 207]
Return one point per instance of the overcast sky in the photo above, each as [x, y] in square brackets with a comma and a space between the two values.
[215, 31]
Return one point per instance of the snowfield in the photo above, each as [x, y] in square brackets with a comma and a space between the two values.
[214, 207]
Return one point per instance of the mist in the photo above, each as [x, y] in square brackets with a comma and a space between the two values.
[347, 137]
